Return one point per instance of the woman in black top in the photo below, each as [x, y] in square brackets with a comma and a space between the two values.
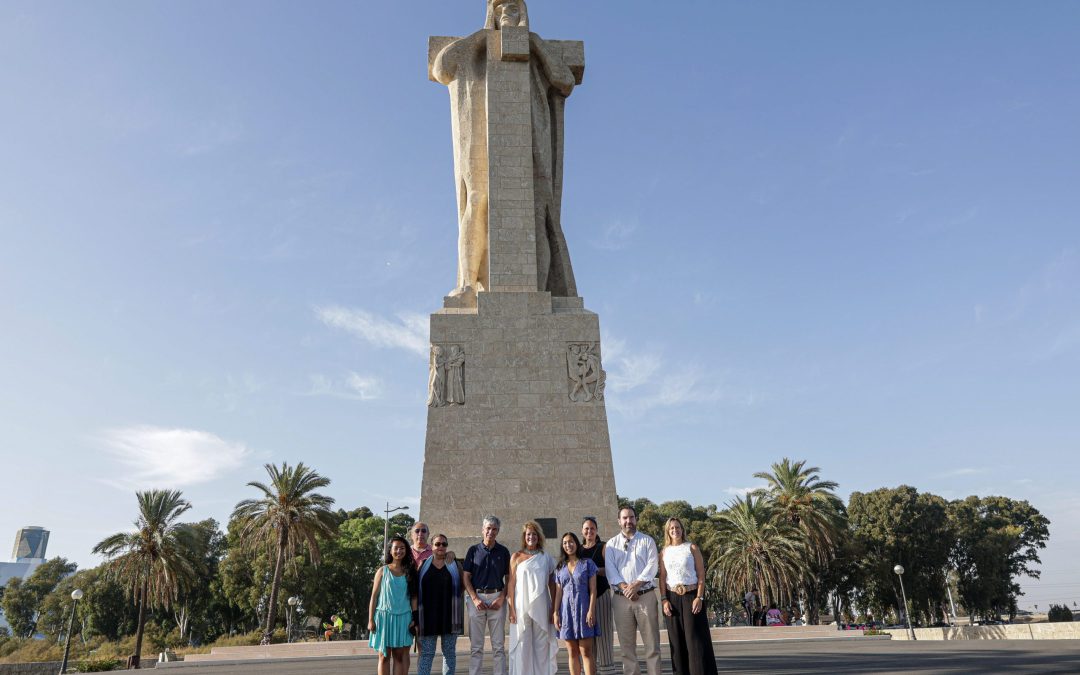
[593, 549]
[441, 610]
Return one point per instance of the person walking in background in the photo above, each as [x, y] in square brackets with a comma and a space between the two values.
[631, 563]
[752, 605]
[530, 592]
[682, 583]
[575, 605]
[442, 611]
[392, 615]
[486, 568]
[593, 549]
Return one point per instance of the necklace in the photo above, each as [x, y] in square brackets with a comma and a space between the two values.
[530, 551]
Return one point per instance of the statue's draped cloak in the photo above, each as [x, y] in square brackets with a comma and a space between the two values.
[468, 101]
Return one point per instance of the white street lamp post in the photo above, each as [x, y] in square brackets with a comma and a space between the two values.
[386, 525]
[76, 596]
[293, 601]
[899, 569]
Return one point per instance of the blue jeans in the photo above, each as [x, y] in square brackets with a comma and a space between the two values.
[427, 653]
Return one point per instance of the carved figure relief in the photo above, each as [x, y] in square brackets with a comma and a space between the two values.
[455, 376]
[587, 377]
[446, 381]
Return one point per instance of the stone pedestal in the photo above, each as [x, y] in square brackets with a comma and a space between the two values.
[530, 441]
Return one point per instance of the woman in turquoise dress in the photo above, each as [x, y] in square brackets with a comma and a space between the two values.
[392, 614]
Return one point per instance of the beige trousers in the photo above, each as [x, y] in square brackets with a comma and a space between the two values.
[633, 617]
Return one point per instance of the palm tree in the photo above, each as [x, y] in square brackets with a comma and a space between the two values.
[753, 549]
[156, 560]
[288, 513]
[808, 504]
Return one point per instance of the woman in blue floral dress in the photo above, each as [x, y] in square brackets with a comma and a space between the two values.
[575, 605]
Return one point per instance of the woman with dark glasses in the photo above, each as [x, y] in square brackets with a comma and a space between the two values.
[442, 612]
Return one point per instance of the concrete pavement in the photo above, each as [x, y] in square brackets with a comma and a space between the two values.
[836, 656]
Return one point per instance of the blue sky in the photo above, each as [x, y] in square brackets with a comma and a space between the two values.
[839, 231]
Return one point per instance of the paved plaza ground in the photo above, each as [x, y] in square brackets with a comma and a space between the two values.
[848, 656]
[886, 656]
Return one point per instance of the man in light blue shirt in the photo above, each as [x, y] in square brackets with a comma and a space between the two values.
[631, 561]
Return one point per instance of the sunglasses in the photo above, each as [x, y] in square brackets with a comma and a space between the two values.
[420, 530]
[439, 544]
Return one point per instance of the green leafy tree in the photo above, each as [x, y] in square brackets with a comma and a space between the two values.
[288, 513]
[997, 541]
[104, 609]
[900, 525]
[156, 560]
[244, 576]
[194, 612]
[1059, 613]
[752, 548]
[807, 503]
[23, 598]
[341, 584]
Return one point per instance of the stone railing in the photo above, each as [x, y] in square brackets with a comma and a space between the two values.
[1018, 631]
[40, 668]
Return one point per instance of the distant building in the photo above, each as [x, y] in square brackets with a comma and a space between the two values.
[28, 552]
[30, 542]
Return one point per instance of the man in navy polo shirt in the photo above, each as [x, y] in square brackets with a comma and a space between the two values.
[486, 567]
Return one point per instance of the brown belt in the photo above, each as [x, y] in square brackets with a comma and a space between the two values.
[680, 589]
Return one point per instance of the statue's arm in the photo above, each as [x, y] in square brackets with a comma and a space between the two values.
[557, 72]
[454, 54]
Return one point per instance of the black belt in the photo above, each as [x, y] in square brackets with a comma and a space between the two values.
[488, 590]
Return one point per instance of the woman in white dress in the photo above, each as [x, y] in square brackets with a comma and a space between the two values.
[529, 596]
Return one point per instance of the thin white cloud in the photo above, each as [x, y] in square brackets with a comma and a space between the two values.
[366, 387]
[412, 501]
[156, 457]
[743, 491]
[207, 135]
[962, 471]
[408, 332]
[353, 386]
[616, 235]
[640, 380]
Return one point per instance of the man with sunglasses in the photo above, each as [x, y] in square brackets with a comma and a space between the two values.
[420, 548]
[631, 562]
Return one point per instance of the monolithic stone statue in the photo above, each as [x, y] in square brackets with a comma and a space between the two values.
[463, 66]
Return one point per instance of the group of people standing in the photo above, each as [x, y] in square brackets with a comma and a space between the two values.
[594, 590]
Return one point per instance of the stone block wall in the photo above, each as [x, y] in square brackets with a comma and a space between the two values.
[519, 447]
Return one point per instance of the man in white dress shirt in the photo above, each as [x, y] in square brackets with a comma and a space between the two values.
[631, 561]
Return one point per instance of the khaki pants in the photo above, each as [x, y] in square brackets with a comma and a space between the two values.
[494, 622]
[633, 617]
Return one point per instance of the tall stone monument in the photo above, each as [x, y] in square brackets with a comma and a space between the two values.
[516, 420]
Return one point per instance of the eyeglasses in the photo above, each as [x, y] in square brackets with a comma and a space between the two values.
[439, 544]
[420, 530]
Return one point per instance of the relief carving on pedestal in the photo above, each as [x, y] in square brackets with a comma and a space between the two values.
[446, 382]
[587, 378]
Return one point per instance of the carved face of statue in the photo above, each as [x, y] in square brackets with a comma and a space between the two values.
[509, 13]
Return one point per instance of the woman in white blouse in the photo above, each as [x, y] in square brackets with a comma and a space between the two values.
[682, 582]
